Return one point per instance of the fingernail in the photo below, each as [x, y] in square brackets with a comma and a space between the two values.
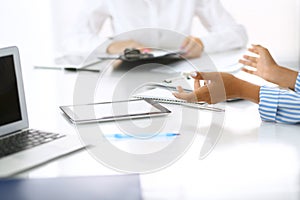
[193, 74]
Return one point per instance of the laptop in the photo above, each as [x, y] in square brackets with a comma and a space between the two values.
[22, 148]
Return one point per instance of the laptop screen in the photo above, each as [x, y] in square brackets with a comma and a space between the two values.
[13, 112]
[9, 98]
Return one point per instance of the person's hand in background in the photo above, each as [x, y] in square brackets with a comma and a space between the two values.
[119, 46]
[192, 46]
[219, 87]
[265, 66]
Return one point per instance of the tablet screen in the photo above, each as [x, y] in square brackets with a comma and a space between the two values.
[107, 111]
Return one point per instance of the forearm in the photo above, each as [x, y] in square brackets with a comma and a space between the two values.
[248, 91]
[284, 77]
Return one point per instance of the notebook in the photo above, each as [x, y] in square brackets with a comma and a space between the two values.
[161, 95]
[126, 187]
[22, 148]
[165, 96]
[162, 91]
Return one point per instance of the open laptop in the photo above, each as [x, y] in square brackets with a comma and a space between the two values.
[22, 148]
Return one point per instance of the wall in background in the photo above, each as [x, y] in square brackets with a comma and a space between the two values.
[273, 23]
[26, 24]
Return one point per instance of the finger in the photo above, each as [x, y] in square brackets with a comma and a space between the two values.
[205, 75]
[180, 89]
[185, 96]
[188, 47]
[194, 51]
[258, 48]
[253, 50]
[196, 75]
[255, 45]
[185, 42]
[196, 84]
[202, 94]
[251, 58]
[249, 71]
[248, 63]
[179, 95]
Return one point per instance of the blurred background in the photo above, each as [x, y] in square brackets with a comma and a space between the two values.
[38, 26]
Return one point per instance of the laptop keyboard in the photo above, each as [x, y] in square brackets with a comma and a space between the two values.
[25, 140]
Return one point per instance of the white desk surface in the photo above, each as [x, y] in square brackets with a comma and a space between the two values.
[252, 159]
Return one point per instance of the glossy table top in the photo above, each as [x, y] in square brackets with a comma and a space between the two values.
[229, 155]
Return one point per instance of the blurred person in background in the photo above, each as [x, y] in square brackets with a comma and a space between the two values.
[156, 22]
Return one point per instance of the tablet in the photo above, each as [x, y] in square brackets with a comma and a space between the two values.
[116, 110]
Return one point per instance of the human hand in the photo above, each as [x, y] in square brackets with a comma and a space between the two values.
[119, 46]
[192, 46]
[265, 66]
[219, 87]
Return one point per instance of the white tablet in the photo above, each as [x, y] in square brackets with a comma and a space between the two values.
[117, 110]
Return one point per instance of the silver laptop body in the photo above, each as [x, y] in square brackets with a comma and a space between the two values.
[14, 119]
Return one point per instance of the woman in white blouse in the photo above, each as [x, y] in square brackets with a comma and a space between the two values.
[223, 33]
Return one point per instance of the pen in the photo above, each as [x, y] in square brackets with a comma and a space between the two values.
[47, 67]
[81, 69]
[145, 136]
[67, 68]
[72, 68]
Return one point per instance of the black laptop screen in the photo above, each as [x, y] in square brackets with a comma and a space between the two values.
[9, 99]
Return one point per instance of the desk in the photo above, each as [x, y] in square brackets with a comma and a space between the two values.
[252, 159]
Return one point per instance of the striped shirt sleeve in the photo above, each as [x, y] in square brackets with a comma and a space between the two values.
[297, 85]
[280, 105]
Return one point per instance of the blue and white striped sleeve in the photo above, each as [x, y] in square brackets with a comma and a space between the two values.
[280, 105]
[297, 85]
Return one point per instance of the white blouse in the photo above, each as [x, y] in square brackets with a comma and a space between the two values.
[161, 23]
